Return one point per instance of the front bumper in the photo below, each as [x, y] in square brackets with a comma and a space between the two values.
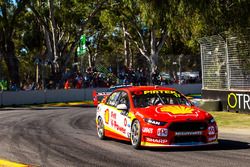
[188, 144]
[150, 138]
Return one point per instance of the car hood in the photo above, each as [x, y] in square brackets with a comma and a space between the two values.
[172, 112]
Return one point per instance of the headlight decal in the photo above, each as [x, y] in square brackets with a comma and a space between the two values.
[155, 122]
[211, 120]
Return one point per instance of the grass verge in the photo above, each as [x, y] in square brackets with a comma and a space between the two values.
[232, 120]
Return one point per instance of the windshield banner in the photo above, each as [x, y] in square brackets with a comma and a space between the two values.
[148, 92]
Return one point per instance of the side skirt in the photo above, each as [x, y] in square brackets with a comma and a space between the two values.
[111, 134]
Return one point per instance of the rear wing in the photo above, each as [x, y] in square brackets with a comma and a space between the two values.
[99, 96]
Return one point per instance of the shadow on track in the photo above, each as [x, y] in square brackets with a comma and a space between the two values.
[222, 145]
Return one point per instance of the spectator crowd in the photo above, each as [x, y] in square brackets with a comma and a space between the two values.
[95, 77]
[139, 76]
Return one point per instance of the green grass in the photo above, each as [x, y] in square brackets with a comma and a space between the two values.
[232, 120]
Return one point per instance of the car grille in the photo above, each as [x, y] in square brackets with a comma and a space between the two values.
[189, 139]
[187, 126]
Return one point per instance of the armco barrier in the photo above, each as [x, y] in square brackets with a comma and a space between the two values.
[0, 98]
[64, 95]
[70, 95]
[22, 97]
[8, 98]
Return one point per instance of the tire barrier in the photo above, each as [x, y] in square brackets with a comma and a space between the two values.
[208, 104]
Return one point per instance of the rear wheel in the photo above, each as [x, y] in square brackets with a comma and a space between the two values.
[136, 134]
[100, 128]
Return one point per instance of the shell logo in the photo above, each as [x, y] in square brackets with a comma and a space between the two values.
[175, 110]
[107, 116]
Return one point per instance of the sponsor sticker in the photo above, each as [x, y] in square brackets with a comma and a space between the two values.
[211, 130]
[138, 92]
[125, 122]
[113, 115]
[162, 132]
[238, 101]
[147, 130]
[116, 126]
[158, 141]
[162, 92]
[139, 114]
[188, 133]
[103, 93]
[154, 122]
[107, 116]
[211, 139]
[175, 110]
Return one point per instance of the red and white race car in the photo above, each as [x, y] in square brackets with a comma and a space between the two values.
[152, 116]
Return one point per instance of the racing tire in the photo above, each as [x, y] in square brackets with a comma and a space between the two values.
[100, 129]
[136, 134]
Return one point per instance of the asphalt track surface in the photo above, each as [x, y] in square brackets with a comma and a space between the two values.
[66, 137]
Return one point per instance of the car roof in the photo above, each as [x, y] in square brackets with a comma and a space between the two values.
[137, 88]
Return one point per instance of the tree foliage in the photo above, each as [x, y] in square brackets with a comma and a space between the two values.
[118, 32]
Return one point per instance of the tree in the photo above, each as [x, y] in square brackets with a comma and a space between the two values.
[63, 22]
[147, 27]
[9, 13]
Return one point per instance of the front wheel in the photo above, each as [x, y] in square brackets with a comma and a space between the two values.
[136, 134]
[100, 128]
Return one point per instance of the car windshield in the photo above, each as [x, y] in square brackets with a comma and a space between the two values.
[158, 97]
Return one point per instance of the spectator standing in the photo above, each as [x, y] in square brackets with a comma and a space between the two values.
[67, 84]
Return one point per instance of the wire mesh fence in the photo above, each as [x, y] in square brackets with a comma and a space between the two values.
[225, 62]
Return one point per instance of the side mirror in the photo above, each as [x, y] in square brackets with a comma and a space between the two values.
[122, 107]
[195, 103]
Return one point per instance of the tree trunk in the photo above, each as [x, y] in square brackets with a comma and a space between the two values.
[153, 54]
[12, 62]
[153, 50]
[49, 51]
[90, 59]
[126, 46]
[7, 46]
[131, 56]
[53, 30]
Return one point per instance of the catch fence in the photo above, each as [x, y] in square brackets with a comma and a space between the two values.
[225, 62]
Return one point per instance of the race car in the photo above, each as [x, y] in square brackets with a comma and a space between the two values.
[152, 116]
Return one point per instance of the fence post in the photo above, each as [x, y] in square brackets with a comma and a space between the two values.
[227, 66]
[202, 68]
